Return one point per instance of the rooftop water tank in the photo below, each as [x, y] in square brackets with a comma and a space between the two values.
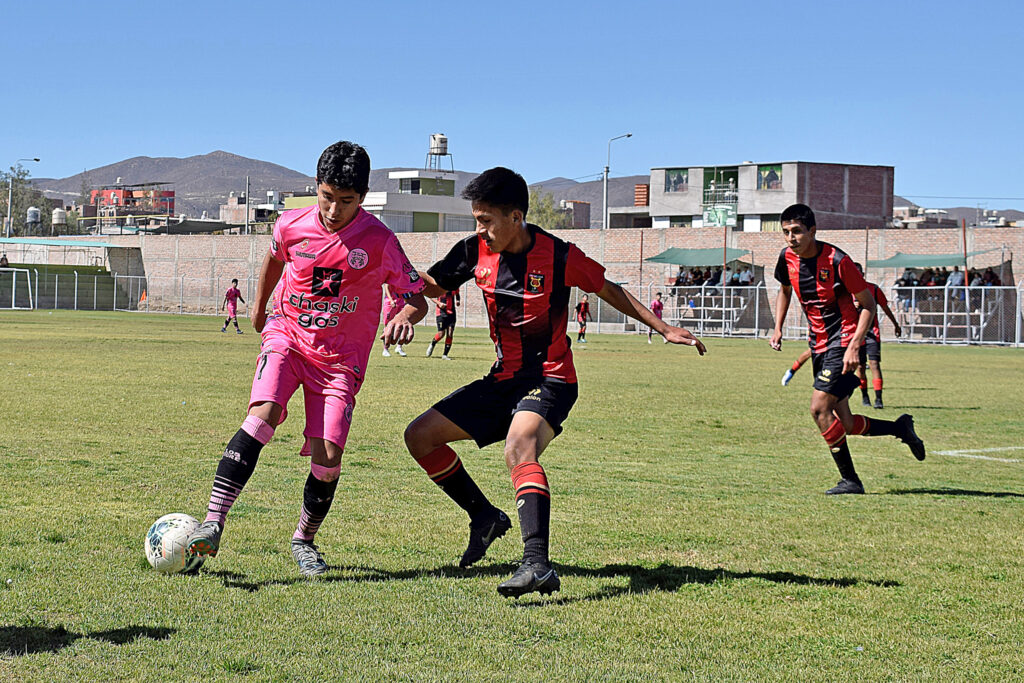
[438, 143]
[59, 217]
[34, 215]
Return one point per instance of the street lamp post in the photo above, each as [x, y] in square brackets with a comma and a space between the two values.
[10, 195]
[607, 166]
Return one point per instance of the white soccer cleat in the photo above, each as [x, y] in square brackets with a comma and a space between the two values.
[401, 351]
[788, 376]
[386, 354]
[445, 357]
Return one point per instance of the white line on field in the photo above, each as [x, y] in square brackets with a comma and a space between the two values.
[974, 453]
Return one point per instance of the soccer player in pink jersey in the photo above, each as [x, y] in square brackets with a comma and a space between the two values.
[324, 316]
[230, 298]
[657, 306]
[392, 305]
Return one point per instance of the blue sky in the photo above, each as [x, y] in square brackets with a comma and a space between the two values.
[934, 89]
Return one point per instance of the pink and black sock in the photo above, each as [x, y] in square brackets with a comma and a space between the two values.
[236, 466]
[533, 502]
[317, 496]
[445, 468]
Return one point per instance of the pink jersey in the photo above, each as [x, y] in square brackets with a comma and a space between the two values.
[657, 307]
[392, 305]
[327, 304]
[232, 295]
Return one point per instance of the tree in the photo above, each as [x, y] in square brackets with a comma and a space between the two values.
[22, 197]
[545, 213]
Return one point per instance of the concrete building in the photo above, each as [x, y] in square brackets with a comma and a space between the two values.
[749, 197]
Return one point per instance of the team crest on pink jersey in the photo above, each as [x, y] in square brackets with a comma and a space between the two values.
[358, 258]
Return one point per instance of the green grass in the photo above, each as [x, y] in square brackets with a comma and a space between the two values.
[689, 525]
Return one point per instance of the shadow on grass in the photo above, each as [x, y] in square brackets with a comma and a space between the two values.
[665, 578]
[27, 640]
[955, 492]
[957, 408]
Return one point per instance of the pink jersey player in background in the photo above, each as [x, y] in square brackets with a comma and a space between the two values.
[231, 297]
[657, 306]
[325, 311]
[392, 305]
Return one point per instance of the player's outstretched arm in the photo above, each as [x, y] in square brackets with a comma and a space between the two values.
[781, 309]
[625, 303]
[401, 328]
[889, 314]
[270, 273]
[432, 289]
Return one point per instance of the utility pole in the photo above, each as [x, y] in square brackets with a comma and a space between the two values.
[246, 205]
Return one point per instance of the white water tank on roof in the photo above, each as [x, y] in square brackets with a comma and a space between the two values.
[438, 143]
[34, 215]
[59, 217]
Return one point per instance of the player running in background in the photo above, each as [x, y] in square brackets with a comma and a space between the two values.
[826, 282]
[657, 306]
[526, 276]
[230, 297]
[446, 319]
[325, 314]
[392, 305]
[871, 351]
[797, 364]
[582, 313]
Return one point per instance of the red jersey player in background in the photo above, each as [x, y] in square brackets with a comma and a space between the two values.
[446, 319]
[526, 276]
[871, 351]
[230, 297]
[582, 313]
[826, 283]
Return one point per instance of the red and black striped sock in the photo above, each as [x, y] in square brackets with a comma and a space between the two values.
[444, 467]
[533, 502]
[878, 387]
[796, 366]
[867, 426]
[835, 437]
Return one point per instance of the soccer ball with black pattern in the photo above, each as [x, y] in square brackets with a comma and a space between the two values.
[166, 543]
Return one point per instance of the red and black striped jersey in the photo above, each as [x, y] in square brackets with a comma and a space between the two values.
[582, 311]
[446, 303]
[879, 300]
[825, 285]
[527, 299]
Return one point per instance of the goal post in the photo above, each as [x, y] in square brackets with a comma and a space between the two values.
[16, 289]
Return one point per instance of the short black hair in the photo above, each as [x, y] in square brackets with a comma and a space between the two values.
[800, 213]
[500, 187]
[346, 166]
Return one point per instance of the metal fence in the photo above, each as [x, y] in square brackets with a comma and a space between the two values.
[944, 315]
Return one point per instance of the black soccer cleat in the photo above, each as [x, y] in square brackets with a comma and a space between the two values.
[531, 577]
[864, 400]
[906, 434]
[482, 535]
[845, 486]
[878, 404]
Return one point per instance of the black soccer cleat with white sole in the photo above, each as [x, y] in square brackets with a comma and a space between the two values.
[531, 577]
[906, 434]
[482, 535]
[845, 486]
[205, 540]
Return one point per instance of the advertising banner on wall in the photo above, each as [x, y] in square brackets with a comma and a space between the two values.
[719, 215]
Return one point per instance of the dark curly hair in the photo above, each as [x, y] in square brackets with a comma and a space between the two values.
[500, 187]
[346, 166]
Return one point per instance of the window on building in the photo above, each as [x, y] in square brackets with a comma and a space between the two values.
[679, 222]
[409, 185]
[769, 177]
[398, 221]
[453, 223]
[771, 223]
[677, 179]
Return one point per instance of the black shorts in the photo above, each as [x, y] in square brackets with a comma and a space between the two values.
[870, 350]
[828, 373]
[484, 408]
[445, 321]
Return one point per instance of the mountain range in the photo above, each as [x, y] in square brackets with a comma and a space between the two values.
[203, 182]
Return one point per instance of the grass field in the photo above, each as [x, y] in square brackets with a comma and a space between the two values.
[689, 525]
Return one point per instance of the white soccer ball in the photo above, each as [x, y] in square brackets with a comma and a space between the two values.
[166, 541]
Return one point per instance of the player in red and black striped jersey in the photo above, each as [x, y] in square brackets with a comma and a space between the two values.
[827, 283]
[446, 319]
[871, 351]
[526, 276]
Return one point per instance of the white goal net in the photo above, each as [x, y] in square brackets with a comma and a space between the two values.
[15, 289]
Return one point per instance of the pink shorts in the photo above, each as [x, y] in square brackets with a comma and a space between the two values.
[329, 393]
[232, 309]
[391, 311]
